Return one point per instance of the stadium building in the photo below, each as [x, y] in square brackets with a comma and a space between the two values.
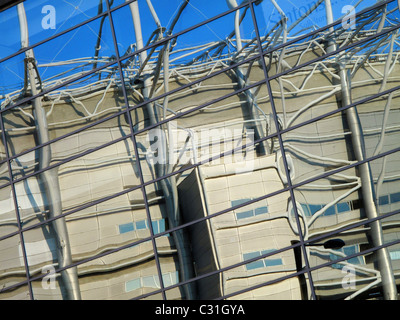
[196, 149]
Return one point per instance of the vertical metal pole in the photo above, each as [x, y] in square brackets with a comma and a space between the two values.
[168, 185]
[329, 20]
[136, 152]
[250, 99]
[367, 188]
[49, 178]
[134, 7]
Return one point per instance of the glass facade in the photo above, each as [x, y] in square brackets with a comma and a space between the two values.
[198, 149]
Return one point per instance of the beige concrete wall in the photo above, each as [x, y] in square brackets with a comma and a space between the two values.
[112, 170]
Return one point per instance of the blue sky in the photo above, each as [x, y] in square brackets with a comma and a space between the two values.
[81, 42]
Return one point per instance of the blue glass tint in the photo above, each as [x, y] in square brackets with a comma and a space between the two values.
[124, 228]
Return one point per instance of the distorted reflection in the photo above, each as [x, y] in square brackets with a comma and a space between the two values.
[147, 144]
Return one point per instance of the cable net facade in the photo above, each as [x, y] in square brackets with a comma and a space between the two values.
[193, 150]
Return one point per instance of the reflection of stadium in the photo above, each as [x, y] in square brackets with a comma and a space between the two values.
[315, 158]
